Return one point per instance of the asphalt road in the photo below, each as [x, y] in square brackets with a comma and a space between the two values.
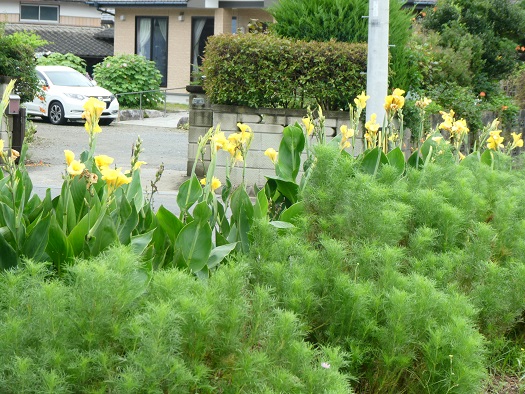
[162, 142]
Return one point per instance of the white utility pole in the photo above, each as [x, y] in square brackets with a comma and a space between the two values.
[377, 64]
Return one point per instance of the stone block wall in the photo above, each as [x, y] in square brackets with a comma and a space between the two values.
[267, 125]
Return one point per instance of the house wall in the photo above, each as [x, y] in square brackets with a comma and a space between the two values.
[76, 14]
[179, 34]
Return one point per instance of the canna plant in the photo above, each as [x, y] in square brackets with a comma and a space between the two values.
[97, 207]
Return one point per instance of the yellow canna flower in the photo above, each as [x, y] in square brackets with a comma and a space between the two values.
[235, 138]
[372, 126]
[517, 140]
[138, 164]
[495, 141]
[215, 183]
[93, 109]
[219, 140]
[423, 103]
[244, 128]
[394, 137]
[103, 161]
[309, 126]
[230, 147]
[114, 178]
[272, 154]
[459, 127]
[345, 145]
[346, 132]
[94, 106]
[238, 156]
[360, 100]
[395, 101]
[75, 168]
[70, 156]
[448, 120]
[461, 156]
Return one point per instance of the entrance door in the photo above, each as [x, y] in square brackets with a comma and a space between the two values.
[152, 42]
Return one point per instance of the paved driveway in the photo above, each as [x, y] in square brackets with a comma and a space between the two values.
[162, 143]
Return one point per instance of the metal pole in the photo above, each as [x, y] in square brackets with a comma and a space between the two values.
[377, 63]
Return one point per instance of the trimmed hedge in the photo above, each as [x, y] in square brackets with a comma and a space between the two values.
[258, 70]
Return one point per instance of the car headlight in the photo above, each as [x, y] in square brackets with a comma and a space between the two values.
[76, 96]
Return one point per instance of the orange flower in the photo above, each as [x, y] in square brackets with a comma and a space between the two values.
[482, 94]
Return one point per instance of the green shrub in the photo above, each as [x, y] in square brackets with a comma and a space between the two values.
[17, 60]
[111, 327]
[420, 278]
[261, 70]
[494, 26]
[130, 73]
[59, 59]
[342, 20]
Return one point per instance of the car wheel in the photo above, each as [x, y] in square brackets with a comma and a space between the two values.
[56, 113]
[105, 122]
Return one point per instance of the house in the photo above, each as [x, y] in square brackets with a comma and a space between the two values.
[69, 26]
[173, 33]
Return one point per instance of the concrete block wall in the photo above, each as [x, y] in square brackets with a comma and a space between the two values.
[267, 125]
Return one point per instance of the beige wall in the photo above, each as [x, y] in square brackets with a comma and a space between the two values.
[10, 18]
[79, 21]
[179, 35]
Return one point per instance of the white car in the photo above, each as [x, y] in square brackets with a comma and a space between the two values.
[65, 92]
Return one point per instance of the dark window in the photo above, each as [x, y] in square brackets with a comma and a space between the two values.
[152, 42]
[234, 25]
[32, 12]
[201, 28]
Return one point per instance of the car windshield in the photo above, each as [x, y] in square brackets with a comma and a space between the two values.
[68, 78]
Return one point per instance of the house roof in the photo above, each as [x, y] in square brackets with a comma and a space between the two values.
[78, 40]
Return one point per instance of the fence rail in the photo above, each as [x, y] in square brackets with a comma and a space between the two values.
[142, 92]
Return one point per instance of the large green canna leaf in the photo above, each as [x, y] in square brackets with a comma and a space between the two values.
[170, 223]
[8, 256]
[139, 243]
[415, 160]
[78, 191]
[373, 160]
[104, 235]
[134, 191]
[487, 158]
[189, 192]
[396, 159]
[288, 189]
[127, 225]
[242, 216]
[8, 219]
[295, 211]
[260, 210]
[194, 245]
[37, 238]
[290, 149]
[219, 253]
[58, 247]
[78, 234]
